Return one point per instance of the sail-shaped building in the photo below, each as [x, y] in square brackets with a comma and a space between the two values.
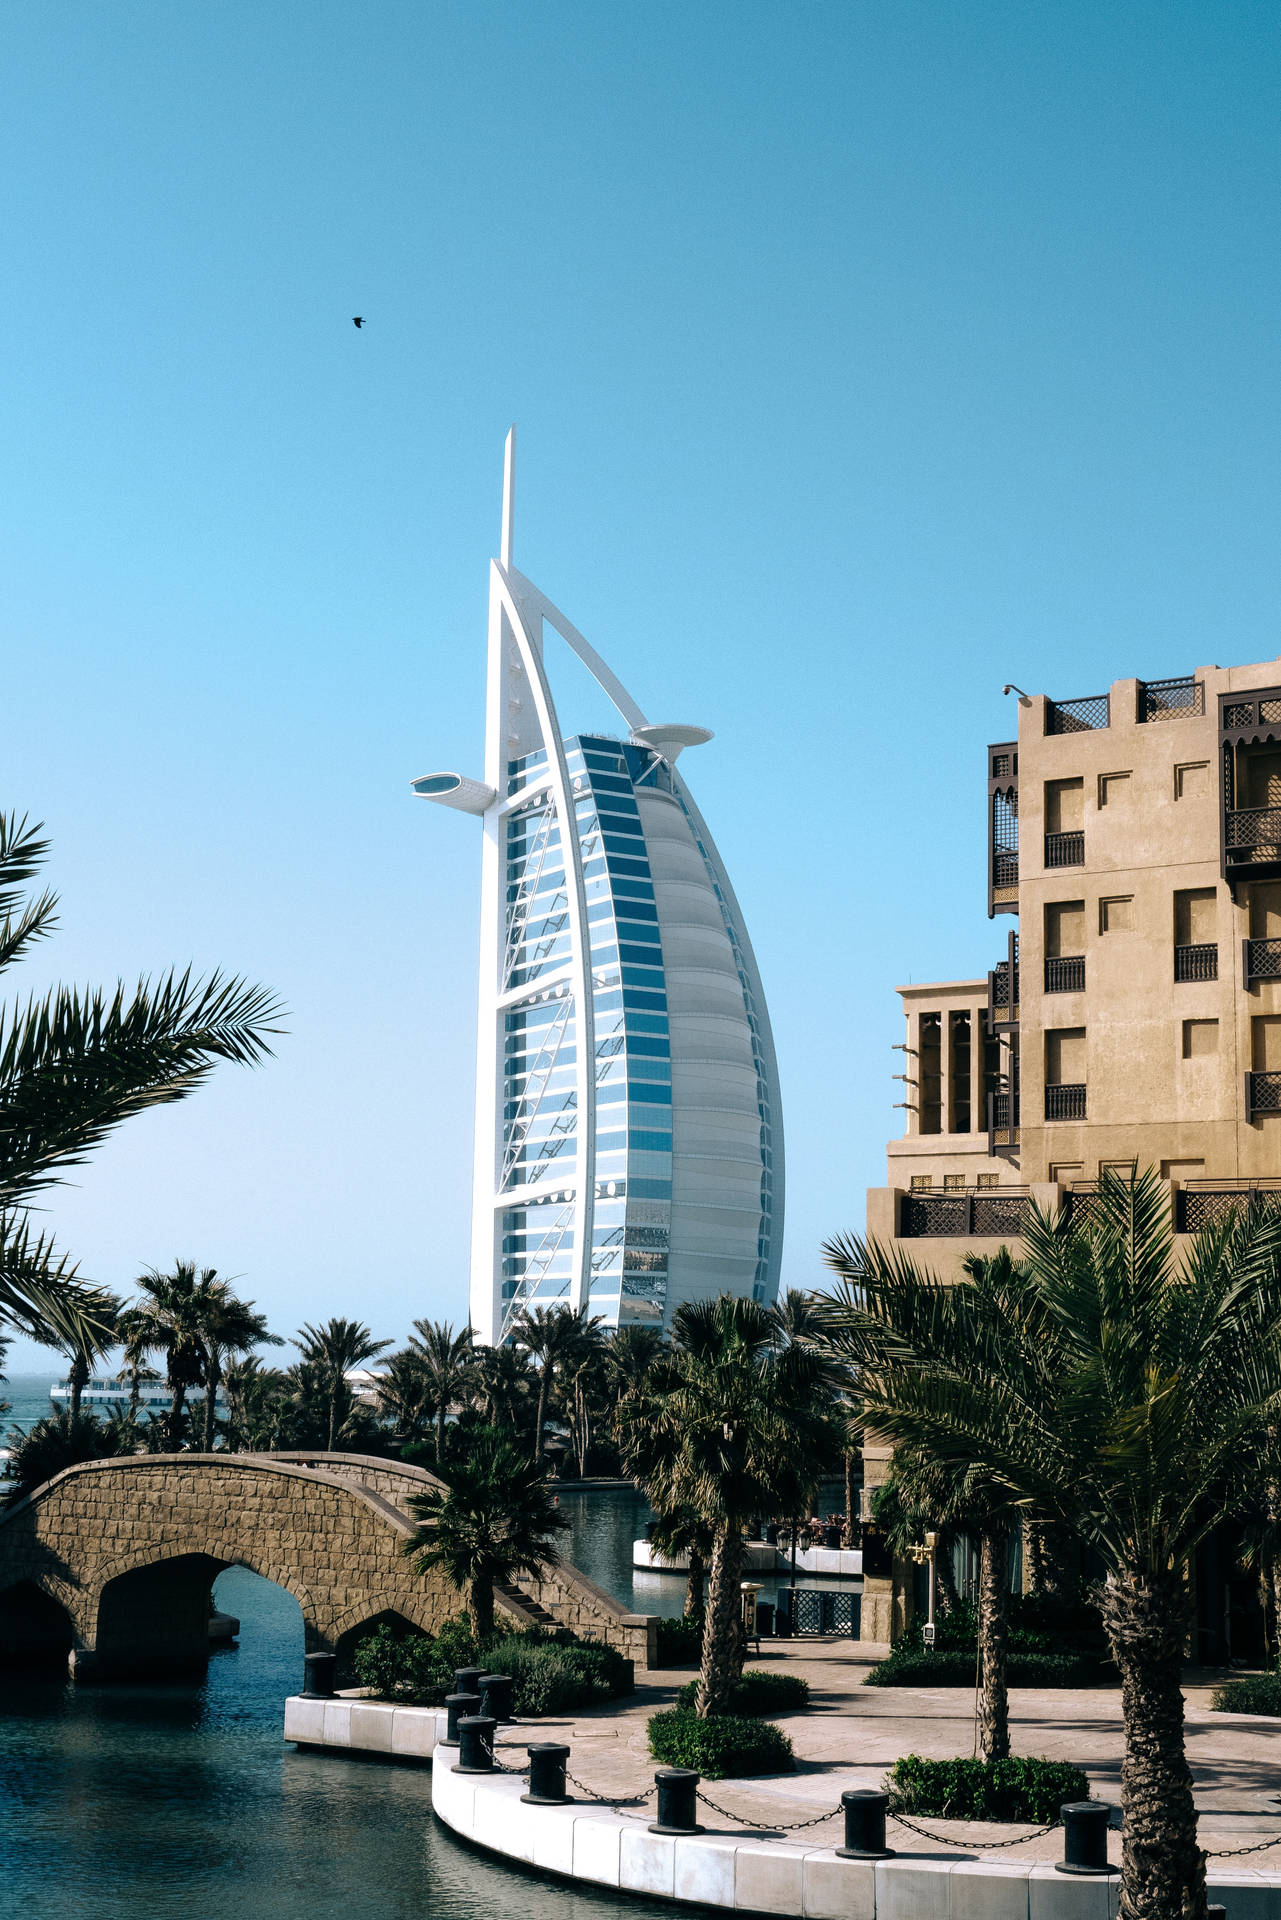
[629, 1147]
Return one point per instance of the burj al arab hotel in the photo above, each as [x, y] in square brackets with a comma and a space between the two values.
[629, 1144]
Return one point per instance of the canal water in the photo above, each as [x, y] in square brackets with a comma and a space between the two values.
[142, 1803]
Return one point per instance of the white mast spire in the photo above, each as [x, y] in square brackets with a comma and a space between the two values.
[509, 499]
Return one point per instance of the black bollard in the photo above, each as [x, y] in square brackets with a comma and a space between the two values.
[1085, 1837]
[547, 1775]
[466, 1678]
[864, 1811]
[456, 1705]
[677, 1787]
[319, 1669]
[475, 1744]
[496, 1691]
[1216, 1913]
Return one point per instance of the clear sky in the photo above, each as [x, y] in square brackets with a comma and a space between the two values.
[865, 356]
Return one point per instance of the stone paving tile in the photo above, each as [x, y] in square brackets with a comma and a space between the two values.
[850, 1734]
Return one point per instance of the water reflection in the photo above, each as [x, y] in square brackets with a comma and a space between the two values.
[141, 1803]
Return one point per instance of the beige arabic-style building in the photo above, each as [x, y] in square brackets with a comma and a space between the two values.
[1134, 1014]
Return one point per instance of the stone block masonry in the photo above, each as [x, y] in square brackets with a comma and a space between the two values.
[123, 1553]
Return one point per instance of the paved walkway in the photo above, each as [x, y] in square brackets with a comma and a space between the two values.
[850, 1734]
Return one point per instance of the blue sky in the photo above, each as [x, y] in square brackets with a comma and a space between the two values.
[864, 357]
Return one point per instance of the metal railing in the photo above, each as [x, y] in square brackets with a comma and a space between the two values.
[1065, 849]
[1262, 1094]
[1265, 712]
[978, 1214]
[1003, 1122]
[1082, 1203]
[1005, 870]
[1260, 960]
[1171, 699]
[1065, 1103]
[1253, 831]
[1089, 715]
[1207, 1203]
[1005, 987]
[1065, 973]
[1197, 963]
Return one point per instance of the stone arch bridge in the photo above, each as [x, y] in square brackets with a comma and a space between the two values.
[112, 1562]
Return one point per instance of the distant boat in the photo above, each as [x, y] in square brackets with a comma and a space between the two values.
[153, 1396]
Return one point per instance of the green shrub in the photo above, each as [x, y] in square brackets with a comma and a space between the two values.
[410, 1668]
[956, 1669]
[1261, 1694]
[680, 1641]
[553, 1672]
[984, 1789]
[758, 1693]
[726, 1747]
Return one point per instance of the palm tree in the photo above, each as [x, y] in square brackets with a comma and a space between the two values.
[170, 1319]
[230, 1326]
[495, 1518]
[731, 1423]
[585, 1374]
[682, 1532]
[1105, 1388]
[256, 1400]
[134, 1366]
[952, 1502]
[630, 1354]
[550, 1336]
[447, 1358]
[333, 1351]
[504, 1385]
[404, 1397]
[90, 1343]
[73, 1066]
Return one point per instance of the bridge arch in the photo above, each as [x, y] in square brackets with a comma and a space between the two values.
[36, 1628]
[141, 1538]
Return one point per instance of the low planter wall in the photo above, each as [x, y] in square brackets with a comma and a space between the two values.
[592, 1843]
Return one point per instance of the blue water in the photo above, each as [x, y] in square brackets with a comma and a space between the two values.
[141, 1803]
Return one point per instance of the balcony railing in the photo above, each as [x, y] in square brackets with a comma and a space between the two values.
[1253, 834]
[1005, 870]
[1065, 973]
[979, 1215]
[1171, 699]
[1065, 849]
[1078, 716]
[1260, 960]
[1005, 989]
[1207, 1203]
[1197, 963]
[1003, 1123]
[1082, 1204]
[1262, 1094]
[1066, 1103]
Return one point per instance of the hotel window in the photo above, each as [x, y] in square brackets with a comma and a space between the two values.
[986, 1180]
[954, 1182]
[922, 1182]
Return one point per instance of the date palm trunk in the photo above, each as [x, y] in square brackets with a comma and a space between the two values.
[541, 1416]
[77, 1380]
[695, 1581]
[213, 1375]
[994, 1705]
[480, 1604]
[851, 1524]
[722, 1662]
[440, 1431]
[1162, 1867]
[175, 1415]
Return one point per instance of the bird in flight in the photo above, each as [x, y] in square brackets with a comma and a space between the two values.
[358, 320]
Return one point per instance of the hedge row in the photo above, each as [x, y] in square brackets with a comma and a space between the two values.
[724, 1747]
[1022, 1789]
[553, 1672]
[955, 1668]
[758, 1693]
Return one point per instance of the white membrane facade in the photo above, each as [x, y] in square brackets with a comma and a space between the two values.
[629, 1149]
